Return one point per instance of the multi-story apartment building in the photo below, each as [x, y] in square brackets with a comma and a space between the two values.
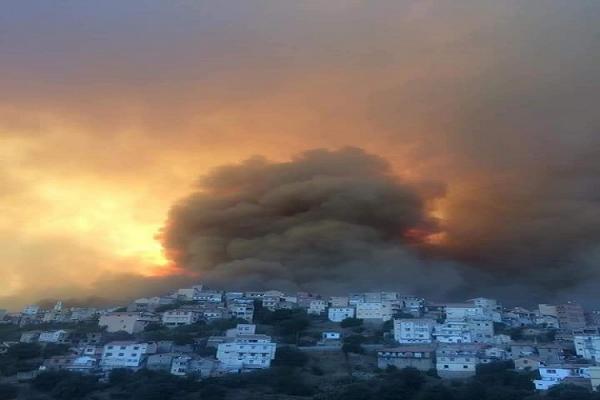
[453, 332]
[246, 352]
[180, 317]
[463, 311]
[381, 311]
[316, 307]
[414, 330]
[242, 308]
[125, 354]
[570, 316]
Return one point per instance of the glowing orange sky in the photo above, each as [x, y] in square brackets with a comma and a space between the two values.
[109, 114]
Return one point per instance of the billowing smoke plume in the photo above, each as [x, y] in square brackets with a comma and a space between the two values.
[327, 220]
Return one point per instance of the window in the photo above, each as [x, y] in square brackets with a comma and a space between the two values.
[465, 366]
[446, 367]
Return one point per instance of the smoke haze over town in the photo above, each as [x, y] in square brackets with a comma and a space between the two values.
[442, 149]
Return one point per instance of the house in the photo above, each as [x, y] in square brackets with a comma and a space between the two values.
[492, 310]
[241, 330]
[495, 353]
[416, 356]
[482, 330]
[57, 363]
[180, 317]
[82, 314]
[316, 307]
[457, 360]
[29, 337]
[522, 349]
[526, 363]
[414, 330]
[331, 335]
[549, 352]
[58, 336]
[304, 298]
[271, 302]
[130, 322]
[338, 301]
[83, 365]
[150, 304]
[125, 354]
[210, 296]
[214, 312]
[412, 305]
[31, 310]
[594, 373]
[587, 346]
[552, 375]
[338, 314]
[375, 311]
[161, 361]
[193, 365]
[246, 352]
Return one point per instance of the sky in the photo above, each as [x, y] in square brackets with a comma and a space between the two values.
[128, 128]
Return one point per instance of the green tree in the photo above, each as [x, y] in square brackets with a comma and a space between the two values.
[351, 322]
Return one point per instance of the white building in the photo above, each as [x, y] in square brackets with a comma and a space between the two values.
[457, 360]
[587, 346]
[463, 312]
[188, 294]
[241, 330]
[187, 365]
[482, 331]
[210, 296]
[453, 332]
[552, 375]
[59, 336]
[125, 354]
[180, 317]
[316, 307]
[31, 310]
[242, 308]
[416, 330]
[130, 322]
[246, 352]
[338, 314]
[83, 365]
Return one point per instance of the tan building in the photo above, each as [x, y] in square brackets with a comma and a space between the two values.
[130, 322]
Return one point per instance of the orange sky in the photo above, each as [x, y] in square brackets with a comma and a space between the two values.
[110, 112]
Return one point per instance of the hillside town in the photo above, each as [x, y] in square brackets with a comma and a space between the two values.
[200, 333]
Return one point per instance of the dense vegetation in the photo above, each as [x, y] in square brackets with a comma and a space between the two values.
[293, 377]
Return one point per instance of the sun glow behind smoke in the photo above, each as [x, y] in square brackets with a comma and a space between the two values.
[109, 220]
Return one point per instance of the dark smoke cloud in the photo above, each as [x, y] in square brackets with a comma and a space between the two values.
[327, 220]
